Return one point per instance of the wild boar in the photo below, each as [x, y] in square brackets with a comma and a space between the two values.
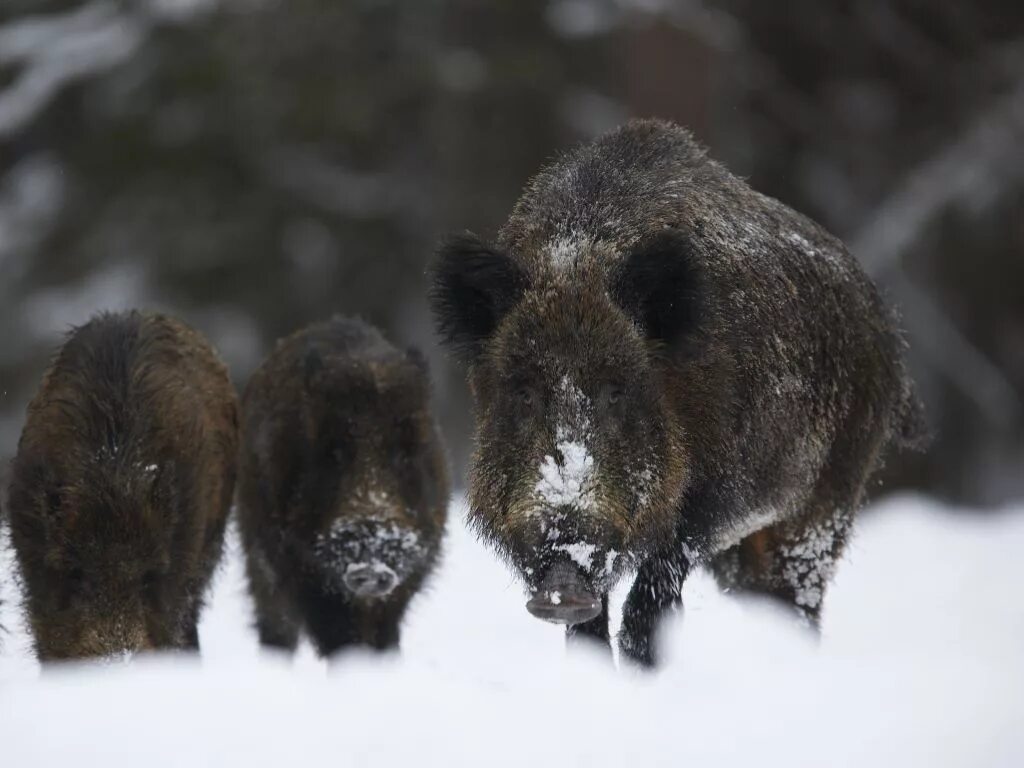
[669, 369]
[343, 490]
[122, 486]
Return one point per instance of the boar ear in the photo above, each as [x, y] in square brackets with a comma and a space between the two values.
[473, 286]
[659, 284]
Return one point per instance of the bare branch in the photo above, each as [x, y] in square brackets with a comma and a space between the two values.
[982, 163]
[56, 50]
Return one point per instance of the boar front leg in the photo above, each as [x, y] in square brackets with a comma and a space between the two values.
[593, 633]
[335, 624]
[656, 593]
[275, 625]
[191, 640]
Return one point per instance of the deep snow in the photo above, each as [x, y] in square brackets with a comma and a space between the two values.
[921, 664]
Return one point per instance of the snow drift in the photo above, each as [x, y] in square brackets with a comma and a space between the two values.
[921, 664]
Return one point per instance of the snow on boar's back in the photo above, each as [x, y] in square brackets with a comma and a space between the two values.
[121, 488]
[343, 490]
[668, 369]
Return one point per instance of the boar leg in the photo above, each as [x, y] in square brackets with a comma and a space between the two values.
[657, 592]
[335, 623]
[593, 633]
[191, 639]
[277, 632]
[274, 622]
[791, 561]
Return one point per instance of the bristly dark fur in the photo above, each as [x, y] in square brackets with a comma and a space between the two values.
[342, 465]
[474, 286]
[681, 371]
[659, 284]
[121, 487]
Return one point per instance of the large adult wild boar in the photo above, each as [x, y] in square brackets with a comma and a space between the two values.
[121, 488]
[669, 369]
[343, 491]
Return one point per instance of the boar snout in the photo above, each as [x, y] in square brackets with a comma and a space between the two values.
[563, 597]
[370, 579]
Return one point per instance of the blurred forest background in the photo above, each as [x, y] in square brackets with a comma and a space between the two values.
[254, 165]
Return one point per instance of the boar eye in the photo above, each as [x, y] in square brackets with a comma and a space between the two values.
[525, 395]
[613, 393]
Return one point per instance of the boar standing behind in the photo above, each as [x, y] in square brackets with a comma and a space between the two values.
[343, 487]
[669, 370]
[121, 487]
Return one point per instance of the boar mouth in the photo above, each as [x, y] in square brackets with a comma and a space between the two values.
[563, 597]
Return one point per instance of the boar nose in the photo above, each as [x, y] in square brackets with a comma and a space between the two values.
[370, 579]
[564, 598]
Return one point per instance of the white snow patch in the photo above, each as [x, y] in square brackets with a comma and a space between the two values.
[564, 250]
[569, 482]
[807, 247]
[378, 498]
[580, 552]
[568, 479]
[643, 482]
[386, 532]
[810, 563]
[802, 242]
[924, 617]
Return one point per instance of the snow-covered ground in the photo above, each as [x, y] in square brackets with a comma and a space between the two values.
[921, 664]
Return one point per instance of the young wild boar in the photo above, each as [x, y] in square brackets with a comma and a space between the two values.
[669, 370]
[343, 487]
[121, 487]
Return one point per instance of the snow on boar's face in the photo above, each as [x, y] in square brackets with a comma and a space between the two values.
[579, 460]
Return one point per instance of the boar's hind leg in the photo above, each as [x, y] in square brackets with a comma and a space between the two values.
[657, 592]
[593, 633]
[791, 561]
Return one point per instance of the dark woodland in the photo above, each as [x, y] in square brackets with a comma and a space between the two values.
[256, 166]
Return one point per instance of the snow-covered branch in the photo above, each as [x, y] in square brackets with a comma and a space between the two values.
[49, 52]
